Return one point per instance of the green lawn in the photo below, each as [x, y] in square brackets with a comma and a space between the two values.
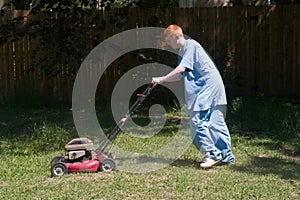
[265, 138]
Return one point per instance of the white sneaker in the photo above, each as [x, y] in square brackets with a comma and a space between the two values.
[208, 162]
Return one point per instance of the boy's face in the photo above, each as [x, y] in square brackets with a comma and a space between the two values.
[172, 41]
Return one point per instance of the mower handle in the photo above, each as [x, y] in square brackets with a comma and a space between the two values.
[120, 124]
[148, 90]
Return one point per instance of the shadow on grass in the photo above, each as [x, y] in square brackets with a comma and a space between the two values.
[186, 163]
[147, 159]
[285, 169]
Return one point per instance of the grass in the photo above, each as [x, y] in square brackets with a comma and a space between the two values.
[265, 138]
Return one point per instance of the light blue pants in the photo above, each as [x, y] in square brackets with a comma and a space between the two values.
[210, 133]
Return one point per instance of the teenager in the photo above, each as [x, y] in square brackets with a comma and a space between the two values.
[205, 98]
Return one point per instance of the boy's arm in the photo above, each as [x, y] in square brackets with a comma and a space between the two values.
[174, 75]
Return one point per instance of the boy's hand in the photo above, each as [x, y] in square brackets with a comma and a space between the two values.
[158, 80]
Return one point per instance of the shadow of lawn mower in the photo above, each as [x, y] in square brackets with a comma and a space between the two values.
[80, 156]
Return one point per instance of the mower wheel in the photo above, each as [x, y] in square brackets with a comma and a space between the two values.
[107, 165]
[58, 169]
[57, 159]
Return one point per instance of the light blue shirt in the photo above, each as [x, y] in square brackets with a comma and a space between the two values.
[203, 83]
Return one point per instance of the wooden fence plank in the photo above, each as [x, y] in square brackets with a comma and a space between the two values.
[279, 50]
[2, 73]
[252, 42]
[273, 39]
[10, 69]
[288, 49]
[240, 51]
[297, 52]
[243, 62]
[297, 49]
[262, 50]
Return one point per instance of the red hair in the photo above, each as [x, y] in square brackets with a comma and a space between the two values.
[173, 29]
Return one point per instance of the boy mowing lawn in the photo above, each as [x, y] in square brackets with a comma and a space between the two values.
[205, 98]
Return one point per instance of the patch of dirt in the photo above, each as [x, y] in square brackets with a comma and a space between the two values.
[79, 177]
[290, 152]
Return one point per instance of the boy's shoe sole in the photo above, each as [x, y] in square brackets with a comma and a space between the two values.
[208, 162]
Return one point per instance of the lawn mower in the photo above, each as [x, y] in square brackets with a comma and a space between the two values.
[80, 153]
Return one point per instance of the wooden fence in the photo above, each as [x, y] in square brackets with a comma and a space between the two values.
[261, 45]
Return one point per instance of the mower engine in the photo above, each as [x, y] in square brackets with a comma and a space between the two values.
[79, 149]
